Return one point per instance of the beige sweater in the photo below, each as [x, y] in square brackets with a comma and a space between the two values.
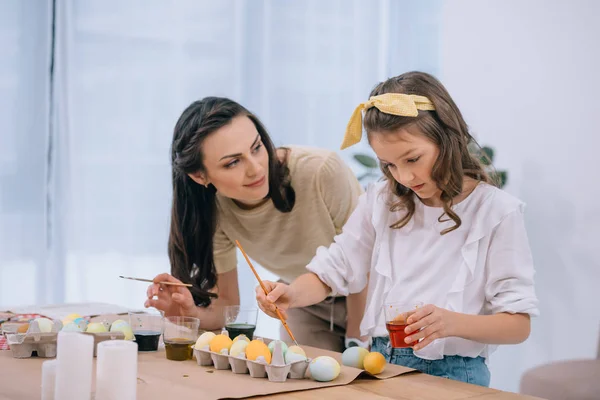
[326, 194]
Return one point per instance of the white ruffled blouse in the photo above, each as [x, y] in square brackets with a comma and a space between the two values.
[483, 267]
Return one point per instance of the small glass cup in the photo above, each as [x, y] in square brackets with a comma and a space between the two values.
[396, 315]
[240, 320]
[147, 329]
[179, 335]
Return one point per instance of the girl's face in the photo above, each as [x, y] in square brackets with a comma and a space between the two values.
[409, 157]
[236, 162]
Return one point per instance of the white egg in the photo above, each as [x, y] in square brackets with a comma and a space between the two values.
[324, 369]
[354, 357]
[291, 357]
[122, 326]
[238, 348]
[204, 340]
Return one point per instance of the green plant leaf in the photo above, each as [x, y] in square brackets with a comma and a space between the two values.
[502, 177]
[489, 152]
[366, 160]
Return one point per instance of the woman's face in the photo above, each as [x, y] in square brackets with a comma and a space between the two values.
[236, 162]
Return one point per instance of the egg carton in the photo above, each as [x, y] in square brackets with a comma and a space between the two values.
[276, 371]
[44, 344]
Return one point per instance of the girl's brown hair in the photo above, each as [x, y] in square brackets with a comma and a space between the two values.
[445, 127]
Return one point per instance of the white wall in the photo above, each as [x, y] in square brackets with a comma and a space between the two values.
[526, 76]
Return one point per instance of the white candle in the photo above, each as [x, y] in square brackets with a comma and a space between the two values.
[116, 370]
[48, 379]
[74, 356]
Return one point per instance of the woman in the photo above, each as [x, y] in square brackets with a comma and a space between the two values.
[230, 183]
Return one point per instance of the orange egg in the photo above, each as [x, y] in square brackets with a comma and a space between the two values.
[23, 328]
[374, 363]
[258, 348]
[220, 342]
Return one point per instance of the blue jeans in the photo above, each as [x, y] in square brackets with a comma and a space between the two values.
[465, 369]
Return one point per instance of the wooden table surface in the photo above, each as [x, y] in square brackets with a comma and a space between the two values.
[21, 379]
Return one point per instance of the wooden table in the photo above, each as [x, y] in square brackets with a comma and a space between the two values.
[21, 379]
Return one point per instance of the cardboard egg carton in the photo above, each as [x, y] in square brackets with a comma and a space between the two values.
[276, 371]
[23, 345]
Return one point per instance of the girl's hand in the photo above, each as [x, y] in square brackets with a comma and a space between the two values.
[172, 300]
[280, 295]
[429, 323]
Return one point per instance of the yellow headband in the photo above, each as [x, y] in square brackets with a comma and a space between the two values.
[406, 105]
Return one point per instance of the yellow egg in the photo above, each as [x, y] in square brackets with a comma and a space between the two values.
[374, 363]
[23, 328]
[257, 348]
[220, 342]
[45, 324]
[297, 350]
[238, 347]
[73, 316]
[204, 340]
[241, 337]
[324, 369]
[96, 327]
[354, 357]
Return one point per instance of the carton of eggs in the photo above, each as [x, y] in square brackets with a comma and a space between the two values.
[255, 357]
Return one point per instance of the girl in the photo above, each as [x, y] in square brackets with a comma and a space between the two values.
[436, 231]
[230, 183]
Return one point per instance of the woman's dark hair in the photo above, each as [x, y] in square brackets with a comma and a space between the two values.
[445, 127]
[194, 209]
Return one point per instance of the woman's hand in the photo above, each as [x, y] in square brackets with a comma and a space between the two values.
[172, 300]
[429, 323]
[280, 295]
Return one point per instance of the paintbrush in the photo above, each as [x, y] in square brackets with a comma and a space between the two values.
[191, 287]
[285, 325]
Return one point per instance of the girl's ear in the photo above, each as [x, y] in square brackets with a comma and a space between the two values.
[200, 178]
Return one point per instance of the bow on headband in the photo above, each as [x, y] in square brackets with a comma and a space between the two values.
[406, 105]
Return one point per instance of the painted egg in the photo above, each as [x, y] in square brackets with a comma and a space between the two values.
[291, 357]
[204, 340]
[258, 348]
[374, 363]
[241, 337]
[238, 348]
[296, 349]
[122, 326]
[81, 322]
[72, 327]
[45, 324]
[354, 357]
[96, 327]
[220, 342]
[284, 347]
[23, 328]
[324, 369]
[72, 317]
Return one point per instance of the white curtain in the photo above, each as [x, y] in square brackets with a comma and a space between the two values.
[126, 70]
[25, 62]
